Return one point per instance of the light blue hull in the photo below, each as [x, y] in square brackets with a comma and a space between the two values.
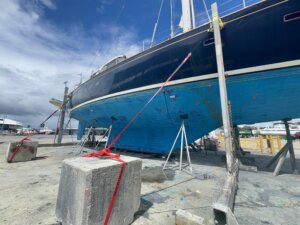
[256, 97]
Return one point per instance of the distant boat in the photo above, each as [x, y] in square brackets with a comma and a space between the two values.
[279, 129]
[261, 58]
[46, 130]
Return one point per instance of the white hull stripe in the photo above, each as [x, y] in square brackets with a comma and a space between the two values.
[197, 78]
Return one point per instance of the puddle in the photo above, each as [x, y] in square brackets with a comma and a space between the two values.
[156, 174]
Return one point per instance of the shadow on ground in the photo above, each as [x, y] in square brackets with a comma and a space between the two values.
[218, 159]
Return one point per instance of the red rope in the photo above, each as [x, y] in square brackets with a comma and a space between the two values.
[18, 146]
[106, 152]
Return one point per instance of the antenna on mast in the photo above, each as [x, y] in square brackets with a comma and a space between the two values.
[244, 3]
[193, 14]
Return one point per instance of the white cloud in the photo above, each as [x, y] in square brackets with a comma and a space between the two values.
[36, 58]
[49, 4]
[102, 5]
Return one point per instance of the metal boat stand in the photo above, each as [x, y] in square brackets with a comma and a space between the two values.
[103, 136]
[223, 206]
[108, 135]
[281, 155]
[183, 144]
[108, 131]
[79, 147]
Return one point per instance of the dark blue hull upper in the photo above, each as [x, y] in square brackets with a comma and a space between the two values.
[251, 37]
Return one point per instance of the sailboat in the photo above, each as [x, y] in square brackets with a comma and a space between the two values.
[262, 62]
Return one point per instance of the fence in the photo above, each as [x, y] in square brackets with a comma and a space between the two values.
[269, 144]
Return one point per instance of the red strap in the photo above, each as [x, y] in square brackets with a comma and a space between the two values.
[18, 146]
[106, 151]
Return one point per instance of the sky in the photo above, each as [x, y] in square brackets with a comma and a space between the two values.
[44, 43]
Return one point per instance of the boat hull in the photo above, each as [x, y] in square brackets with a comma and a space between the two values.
[262, 61]
[255, 97]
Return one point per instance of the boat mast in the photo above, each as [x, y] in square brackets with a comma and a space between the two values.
[172, 26]
[187, 21]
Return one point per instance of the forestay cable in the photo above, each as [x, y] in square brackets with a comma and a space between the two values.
[106, 151]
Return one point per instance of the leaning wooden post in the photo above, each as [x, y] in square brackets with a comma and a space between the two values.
[281, 155]
[230, 154]
[291, 147]
[281, 160]
[237, 140]
[224, 204]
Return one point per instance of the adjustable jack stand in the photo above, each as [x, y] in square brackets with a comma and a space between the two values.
[181, 131]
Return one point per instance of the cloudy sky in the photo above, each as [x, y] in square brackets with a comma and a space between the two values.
[44, 43]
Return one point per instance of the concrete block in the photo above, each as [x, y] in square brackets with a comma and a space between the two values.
[26, 152]
[183, 217]
[86, 186]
